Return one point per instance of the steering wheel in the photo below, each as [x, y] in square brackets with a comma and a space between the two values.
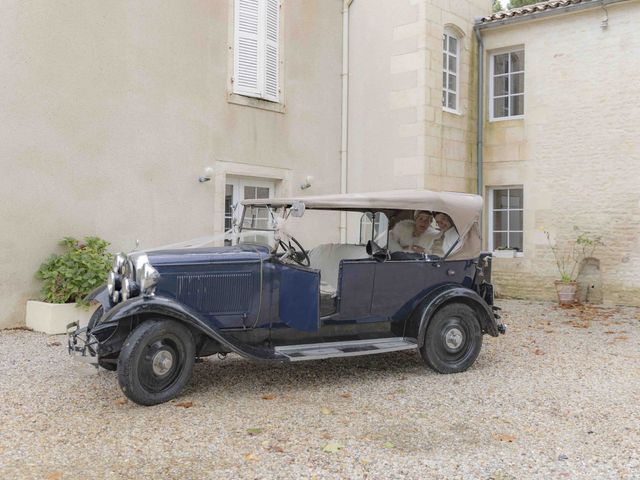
[294, 251]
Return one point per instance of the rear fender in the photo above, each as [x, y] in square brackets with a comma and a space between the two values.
[446, 294]
[167, 307]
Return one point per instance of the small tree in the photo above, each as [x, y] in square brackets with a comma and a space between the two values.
[496, 6]
[568, 258]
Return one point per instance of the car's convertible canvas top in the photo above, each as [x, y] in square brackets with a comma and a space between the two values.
[464, 209]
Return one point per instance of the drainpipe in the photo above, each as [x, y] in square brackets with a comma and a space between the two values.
[344, 158]
[480, 119]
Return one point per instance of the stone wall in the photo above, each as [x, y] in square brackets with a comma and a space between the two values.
[576, 150]
[399, 135]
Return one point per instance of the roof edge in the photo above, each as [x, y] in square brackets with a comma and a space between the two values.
[538, 11]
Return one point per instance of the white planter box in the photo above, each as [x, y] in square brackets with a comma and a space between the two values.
[53, 318]
[504, 253]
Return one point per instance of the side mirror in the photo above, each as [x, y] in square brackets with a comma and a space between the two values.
[297, 209]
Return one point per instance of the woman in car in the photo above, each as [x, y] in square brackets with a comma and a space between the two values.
[415, 235]
[448, 233]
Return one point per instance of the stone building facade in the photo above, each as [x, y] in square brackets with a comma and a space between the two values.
[574, 152]
[563, 158]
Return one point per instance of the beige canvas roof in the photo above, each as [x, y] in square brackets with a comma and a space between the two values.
[464, 209]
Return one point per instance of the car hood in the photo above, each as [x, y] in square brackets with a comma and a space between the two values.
[181, 256]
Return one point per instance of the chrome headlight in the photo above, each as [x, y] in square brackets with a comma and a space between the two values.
[146, 276]
[113, 283]
[126, 289]
[119, 263]
[148, 279]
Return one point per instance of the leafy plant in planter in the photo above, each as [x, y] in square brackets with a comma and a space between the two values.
[69, 277]
[568, 259]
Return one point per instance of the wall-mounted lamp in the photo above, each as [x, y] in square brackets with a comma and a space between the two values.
[206, 175]
[307, 182]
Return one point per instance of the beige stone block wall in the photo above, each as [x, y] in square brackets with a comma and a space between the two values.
[386, 91]
[110, 112]
[576, 150]
[395, 93]
[451, 137]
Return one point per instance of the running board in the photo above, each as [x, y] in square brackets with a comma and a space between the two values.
[318, 351]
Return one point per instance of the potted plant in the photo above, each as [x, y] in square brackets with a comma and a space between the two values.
[567, 261]
[67, 279]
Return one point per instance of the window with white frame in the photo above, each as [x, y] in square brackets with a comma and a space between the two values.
[507, 85]
[256, 49]
[506, 206]
[450, 68]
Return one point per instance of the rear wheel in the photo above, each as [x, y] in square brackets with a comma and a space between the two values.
[156, 361]
[453, 339]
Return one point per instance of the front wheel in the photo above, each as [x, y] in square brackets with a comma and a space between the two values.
[156, 361]
[453, 339]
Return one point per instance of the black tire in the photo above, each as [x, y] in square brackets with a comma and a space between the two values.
[156, 361]
[453, 339]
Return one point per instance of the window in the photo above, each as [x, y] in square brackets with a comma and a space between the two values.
[256, 49]
[505, 221]
[450, 56]
[507, 85]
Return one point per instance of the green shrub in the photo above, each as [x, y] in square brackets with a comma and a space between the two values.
[69, 277]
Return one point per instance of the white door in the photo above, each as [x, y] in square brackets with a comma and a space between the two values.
[238, 189]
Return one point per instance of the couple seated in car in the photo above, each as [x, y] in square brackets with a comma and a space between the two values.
[420, 236]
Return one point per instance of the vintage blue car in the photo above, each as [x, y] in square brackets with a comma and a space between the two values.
[268, 298]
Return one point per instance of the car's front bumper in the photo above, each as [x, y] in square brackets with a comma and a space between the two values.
[82, 346]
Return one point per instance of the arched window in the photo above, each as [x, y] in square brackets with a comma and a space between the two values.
[451, 40]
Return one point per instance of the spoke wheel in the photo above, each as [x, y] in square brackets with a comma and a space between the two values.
[453, 339]
[156, 361]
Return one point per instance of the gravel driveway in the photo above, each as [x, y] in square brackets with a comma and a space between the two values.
[557, 397]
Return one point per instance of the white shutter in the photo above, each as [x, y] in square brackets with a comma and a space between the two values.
[271, 57]
[246, 75]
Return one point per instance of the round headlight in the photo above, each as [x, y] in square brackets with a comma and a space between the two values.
[119, 263]
[113, 283]
[148, 279]
[115, 297]
[126, 289]
[129, 289]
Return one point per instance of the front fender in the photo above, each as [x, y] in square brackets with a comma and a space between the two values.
[100, 295]
[448, 293]
[168, 307]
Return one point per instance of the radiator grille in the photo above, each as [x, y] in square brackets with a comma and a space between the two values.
[216, 293]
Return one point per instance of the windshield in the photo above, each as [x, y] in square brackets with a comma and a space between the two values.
[260, 218]
[259, 224]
